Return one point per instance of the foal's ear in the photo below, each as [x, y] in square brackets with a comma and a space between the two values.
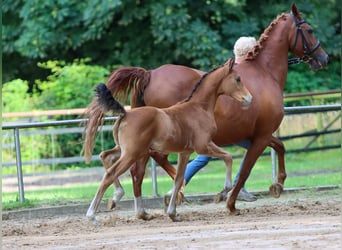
[231, 63]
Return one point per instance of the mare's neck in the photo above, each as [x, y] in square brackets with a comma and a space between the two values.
[273, 57]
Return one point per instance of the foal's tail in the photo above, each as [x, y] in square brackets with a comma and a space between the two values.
[106, 101]
[120, 83]
[102, 104]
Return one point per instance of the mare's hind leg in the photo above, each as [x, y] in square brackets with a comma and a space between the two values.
[254, 151]
[108, 158]
[162, 160]
[277, 188]
[137, 172]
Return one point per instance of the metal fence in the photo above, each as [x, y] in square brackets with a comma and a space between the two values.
[17, 127]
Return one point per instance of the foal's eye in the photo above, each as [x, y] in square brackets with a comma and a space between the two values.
[238, 79]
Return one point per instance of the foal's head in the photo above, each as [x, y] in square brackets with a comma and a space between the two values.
[232, 85]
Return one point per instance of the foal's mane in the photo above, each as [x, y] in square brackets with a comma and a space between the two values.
[202, 78]
[253, 52]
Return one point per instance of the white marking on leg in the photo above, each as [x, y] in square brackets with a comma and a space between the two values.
[118, 194]
[138, 205]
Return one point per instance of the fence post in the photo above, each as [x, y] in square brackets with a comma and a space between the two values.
[19, 165]
[154, 177]
[274, 159]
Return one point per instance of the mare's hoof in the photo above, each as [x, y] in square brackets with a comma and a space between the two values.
[276, 189]
[111, 204]
[175, 218]
[235, 212]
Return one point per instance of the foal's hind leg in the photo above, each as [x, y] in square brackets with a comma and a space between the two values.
[108, 158]
[137, 172]
[277, 188]
[112, 173]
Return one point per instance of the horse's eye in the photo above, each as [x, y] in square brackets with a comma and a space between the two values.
[310, 31]
[238, 79]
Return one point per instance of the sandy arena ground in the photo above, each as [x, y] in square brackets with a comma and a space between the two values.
[297, 220]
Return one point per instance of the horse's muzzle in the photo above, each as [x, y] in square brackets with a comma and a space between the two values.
[319, 61]
[247, 100]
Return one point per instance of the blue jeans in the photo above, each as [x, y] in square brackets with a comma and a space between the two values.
[202, 160]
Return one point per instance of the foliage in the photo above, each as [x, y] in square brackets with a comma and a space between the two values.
[44, 43]
[200, 34]
[69, 85]
[16, 96]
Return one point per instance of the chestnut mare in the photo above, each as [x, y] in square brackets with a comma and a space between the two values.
[263, 72]
[184, 128]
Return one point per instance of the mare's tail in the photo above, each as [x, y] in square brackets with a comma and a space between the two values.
[120, 83]
[106, 101]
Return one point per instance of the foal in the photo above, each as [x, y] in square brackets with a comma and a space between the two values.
[185, 127]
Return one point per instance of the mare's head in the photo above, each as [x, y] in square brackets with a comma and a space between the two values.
[232, 85]
[304, 43]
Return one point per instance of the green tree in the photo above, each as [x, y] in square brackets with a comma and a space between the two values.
[200, 34]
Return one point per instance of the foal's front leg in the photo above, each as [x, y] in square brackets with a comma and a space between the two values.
[213, 150]
[183, 159]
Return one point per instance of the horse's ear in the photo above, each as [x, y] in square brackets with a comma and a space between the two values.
[231, 63]
[295, 11]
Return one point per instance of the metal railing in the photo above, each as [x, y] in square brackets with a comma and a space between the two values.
[17, 127]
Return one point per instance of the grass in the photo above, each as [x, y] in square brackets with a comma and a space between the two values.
[304, 170]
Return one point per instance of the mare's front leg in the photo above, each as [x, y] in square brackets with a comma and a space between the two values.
[108, 158]
[183, 159]
[254, 151]
[277, 188]
[137, 172]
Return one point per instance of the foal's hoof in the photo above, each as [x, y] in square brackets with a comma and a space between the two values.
[145, 216]
[94, 221]
[221, 196]
[179, 199]
[167, 199]
[276, 189]
[175, 218]
[111, 204]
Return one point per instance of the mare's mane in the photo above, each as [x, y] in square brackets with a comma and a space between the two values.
[254, 52]
[201, 80]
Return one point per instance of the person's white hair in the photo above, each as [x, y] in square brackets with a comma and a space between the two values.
[243, 45]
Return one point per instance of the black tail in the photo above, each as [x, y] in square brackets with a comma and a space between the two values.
[107, 102]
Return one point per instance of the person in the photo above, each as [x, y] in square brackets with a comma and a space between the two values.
[241, 47]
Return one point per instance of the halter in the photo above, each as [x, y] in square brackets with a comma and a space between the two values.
[299, 31]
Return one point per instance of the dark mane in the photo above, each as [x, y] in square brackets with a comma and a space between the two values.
[253, 52]
[200, 82]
